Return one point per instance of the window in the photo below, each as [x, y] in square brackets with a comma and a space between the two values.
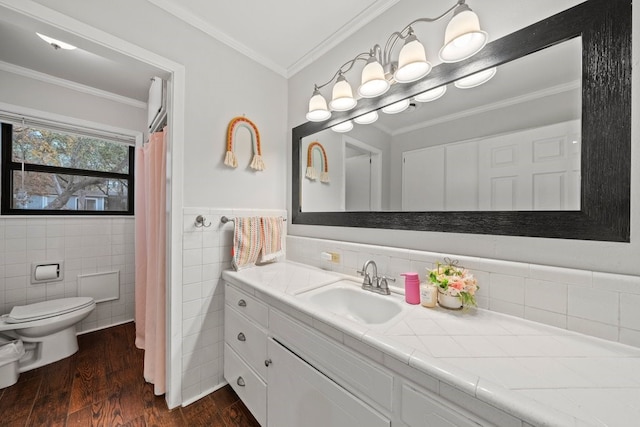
[47, 171]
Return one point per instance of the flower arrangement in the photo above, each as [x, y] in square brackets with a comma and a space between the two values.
[455, 281]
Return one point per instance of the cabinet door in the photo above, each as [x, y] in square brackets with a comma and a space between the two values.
[418, 410]
[299, 395]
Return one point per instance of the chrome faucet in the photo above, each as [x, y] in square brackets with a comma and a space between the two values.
[367, 282]
[381, 283]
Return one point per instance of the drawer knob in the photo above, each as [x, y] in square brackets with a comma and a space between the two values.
[240, 382]
[241, 337]
[267, 362]
[242, 303]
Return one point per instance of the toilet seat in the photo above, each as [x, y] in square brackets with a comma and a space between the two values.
[46, 309]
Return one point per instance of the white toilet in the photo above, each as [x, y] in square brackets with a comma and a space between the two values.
[47, 329]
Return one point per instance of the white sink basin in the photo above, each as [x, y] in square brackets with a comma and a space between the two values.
[345, 298]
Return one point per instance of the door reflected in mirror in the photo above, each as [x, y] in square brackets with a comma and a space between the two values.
[512, 144]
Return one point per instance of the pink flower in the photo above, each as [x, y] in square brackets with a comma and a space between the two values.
[457, 285]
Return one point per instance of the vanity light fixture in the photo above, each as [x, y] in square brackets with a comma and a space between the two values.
[463, 39]
[367, 119]
[318, 110]
[343, 127]
[342, 99]
[397, 107]
[431, 95]
[56, 44]
[475, 79]
[374, 83]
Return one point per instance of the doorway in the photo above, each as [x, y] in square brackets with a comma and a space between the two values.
[30, 12]
[362, 176]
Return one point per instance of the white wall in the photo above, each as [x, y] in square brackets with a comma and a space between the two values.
[602, 256]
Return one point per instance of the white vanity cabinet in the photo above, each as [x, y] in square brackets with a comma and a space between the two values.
[300, 395]
[245, 350]
[280, 388]
[421, 409]
[289, 375]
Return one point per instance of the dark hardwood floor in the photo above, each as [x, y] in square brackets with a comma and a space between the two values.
[102, 385]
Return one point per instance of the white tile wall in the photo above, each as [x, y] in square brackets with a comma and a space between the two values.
[206, 253]
[594, 303]
[85, 245]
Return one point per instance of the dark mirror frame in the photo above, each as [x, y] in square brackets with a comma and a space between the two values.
[605, 28]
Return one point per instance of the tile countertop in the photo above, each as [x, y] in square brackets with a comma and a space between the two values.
[540, 374]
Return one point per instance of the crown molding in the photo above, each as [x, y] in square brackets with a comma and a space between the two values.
[332, 41]
[490, 107]
[347, 30]
[36, 75]
[197, 22]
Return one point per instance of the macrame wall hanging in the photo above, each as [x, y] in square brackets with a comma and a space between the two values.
[230, 157]
[312, 173]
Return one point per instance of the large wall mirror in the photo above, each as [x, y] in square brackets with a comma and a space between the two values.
[543, 149]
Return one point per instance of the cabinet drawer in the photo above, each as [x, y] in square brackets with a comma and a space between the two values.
[247, 339]
[418, 409]
[246, 304]
[247, 385]
[343, 366]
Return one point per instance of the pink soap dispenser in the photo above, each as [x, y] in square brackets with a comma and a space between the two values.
[411, 288]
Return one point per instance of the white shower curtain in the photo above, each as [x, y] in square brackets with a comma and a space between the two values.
[150, 295]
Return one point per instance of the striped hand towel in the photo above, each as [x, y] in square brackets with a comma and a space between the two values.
[247, 242]
[271, 238]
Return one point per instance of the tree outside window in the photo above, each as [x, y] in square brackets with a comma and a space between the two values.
[45, 171]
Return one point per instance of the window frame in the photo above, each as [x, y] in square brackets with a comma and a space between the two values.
[8, 166]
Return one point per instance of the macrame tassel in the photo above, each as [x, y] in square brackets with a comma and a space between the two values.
[257, 163]
[230, 159]
[311, 173]
[324, 177]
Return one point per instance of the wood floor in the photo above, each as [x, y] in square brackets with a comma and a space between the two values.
[102, 385]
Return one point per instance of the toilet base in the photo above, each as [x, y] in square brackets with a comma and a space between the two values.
[45, 350]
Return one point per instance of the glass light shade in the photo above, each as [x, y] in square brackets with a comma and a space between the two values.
[366, 119]
[318, 110]
[373, 81]
[56, 43]
[343, 127]
[396, 107]
[342, 99]
[476, 79]
[463, 37]
[431, 95]
[412, 62]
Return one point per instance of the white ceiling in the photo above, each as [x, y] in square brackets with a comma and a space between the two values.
[285, 36]
[264, 31]
[90, 68]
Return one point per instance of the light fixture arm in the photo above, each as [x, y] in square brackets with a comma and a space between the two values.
[349, 64]
[408, 30]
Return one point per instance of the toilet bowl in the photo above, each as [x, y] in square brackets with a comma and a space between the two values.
[47, 329]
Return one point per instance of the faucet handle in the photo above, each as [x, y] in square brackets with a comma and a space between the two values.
[366, 282]
[383, 286]
[384, 279]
